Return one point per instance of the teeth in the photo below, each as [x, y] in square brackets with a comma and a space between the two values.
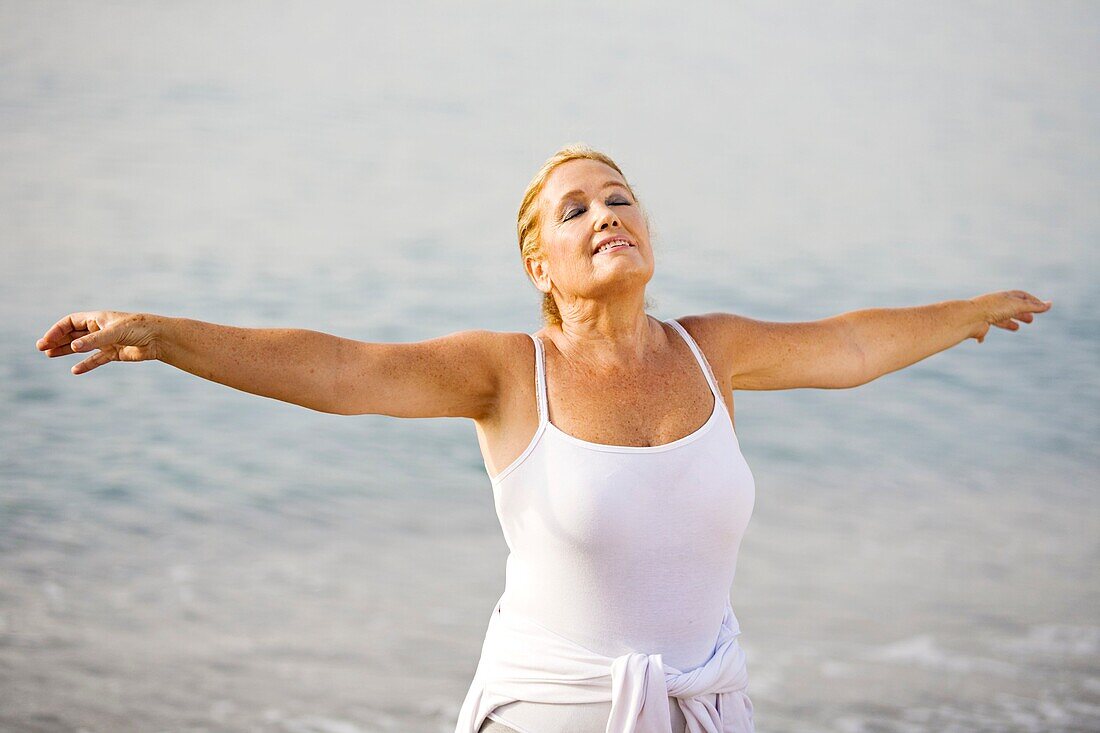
[613, 243]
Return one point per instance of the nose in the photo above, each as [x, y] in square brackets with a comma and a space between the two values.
[606, 218]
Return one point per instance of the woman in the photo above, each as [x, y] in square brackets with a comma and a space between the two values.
[609, 440]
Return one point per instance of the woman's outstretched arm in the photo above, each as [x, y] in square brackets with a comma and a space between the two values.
[452, 376]
[856, 347]
[890, 339]
[288, 364]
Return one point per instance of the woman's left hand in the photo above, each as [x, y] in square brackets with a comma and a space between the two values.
[1003, 309]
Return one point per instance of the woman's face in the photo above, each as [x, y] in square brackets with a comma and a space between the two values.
[584, 203]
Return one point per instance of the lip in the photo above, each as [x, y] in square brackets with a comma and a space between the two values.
[605, 240]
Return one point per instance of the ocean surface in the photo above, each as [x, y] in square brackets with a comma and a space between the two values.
[176, 555]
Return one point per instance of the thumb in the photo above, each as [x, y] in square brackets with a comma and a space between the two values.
[980, 333]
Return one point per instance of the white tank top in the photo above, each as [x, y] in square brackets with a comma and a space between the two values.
[621, 549]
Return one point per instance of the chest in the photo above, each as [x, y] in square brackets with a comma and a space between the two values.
[693, 497]
[653, 409]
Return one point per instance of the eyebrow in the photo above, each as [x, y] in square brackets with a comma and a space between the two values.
[605, 185]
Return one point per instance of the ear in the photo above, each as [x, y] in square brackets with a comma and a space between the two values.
[539, 273]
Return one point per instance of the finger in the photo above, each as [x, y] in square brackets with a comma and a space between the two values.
[95, 360]
[62, 349]
[95, 340]
[1038, 305]
[60, 332]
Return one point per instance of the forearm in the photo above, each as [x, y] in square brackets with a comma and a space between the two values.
[289, 364]
[893, 338]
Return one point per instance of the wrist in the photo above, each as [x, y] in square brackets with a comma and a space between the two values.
[165, 330]
[977, 318]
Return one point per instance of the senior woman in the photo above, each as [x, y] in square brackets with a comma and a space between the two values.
[609, 441]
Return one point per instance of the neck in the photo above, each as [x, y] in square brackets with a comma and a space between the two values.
[611, 333]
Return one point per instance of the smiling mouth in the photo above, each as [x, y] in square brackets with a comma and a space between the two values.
[614, 246]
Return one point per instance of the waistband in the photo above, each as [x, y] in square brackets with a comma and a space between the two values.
[522, 660]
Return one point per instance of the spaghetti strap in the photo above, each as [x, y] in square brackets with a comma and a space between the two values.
[540, 379]
[703, 363]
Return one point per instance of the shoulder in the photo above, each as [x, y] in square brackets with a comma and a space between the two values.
[759, 355]
[720, 336]
[712, 331]
[495, 349]
[478, 357]
[719, 326]
[460, 374]
[506, 352]
[495, 360]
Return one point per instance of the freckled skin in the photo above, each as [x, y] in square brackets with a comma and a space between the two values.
[614, 374]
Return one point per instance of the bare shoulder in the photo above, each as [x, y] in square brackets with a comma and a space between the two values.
[510, 356]
[492, 347]
[719, 336]
[498, 354]
[754, 354]
[513, 351]
[461, 374]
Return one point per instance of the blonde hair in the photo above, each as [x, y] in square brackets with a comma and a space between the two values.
[529, 223]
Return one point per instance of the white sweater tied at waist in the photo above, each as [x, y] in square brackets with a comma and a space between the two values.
[522, 660]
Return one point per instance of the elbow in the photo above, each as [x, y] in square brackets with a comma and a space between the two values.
[861, 371]
[858, 368]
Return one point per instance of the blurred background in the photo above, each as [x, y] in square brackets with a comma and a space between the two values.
[179, 556]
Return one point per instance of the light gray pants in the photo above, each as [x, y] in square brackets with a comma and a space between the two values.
[491, 726]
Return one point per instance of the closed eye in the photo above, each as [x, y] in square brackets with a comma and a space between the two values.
[575, 212]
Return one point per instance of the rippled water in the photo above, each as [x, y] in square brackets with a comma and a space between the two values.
[175, 555]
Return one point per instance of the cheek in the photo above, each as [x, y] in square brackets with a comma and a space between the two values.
[565, 257]
[571, 245]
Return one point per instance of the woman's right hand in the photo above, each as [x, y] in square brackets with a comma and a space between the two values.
[118, 336]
